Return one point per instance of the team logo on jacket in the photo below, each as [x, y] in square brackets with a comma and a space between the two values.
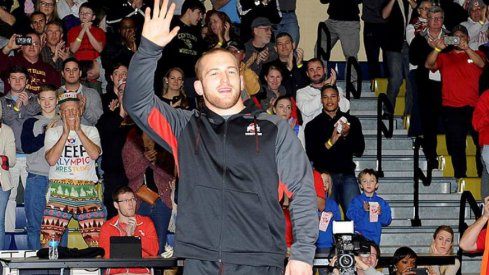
[253, 129]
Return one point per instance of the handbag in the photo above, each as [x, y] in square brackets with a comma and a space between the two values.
[147, 195]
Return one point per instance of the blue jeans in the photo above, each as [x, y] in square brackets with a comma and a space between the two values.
[35, 203]
[398, 67]
[345, 188]
[4, 195]
[290, 25]
[160, 214]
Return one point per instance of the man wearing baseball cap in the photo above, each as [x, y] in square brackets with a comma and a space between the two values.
[260, 49]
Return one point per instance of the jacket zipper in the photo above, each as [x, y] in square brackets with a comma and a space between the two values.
[224, 170]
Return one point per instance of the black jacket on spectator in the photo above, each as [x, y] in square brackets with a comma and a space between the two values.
[396, 27]
[291, 80]
[339, 158]
[343, 10]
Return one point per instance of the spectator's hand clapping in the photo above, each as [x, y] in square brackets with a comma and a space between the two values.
[300, 56]
[437, 43]
[131, 226]
[251, 60]
[332, 78]
[263, 56]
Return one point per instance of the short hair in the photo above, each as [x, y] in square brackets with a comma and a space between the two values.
[329, 86]
[48, 87]
[19, 69]
[192, 5]
[435, 9]
[212, 51]
[367, 171]
[88, 6]
[315, 59]
[284, 34]
[37, 13]
[71, 59]
[403, 252]
[56, 23]
[115, 66]
[121, 190]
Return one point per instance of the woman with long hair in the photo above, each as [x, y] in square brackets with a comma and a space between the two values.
[173, 92]
[220, 30]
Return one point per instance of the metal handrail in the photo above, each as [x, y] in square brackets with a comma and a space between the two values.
[350, 88]
[419, 175]
[382, 101]
[466, 197]
[320, 52]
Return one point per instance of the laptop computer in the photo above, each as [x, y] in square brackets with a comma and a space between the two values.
[125, 247]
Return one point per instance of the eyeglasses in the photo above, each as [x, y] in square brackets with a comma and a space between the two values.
[127, 201]
[436, 18]
[45, 4]
[424, 9]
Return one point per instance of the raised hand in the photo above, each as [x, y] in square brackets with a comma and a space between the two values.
[332, 78]
[156, 28]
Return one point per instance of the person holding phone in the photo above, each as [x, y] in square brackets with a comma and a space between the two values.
[404, 263]
[474, 238]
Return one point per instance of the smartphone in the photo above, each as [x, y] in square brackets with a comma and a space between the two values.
[451, 40]
[23, 40]
[419, 271]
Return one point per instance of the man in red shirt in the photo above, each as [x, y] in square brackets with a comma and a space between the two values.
[460, 69]
[474, 238]
[127, 223]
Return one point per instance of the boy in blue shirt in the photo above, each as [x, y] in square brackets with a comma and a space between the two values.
[368, 211]
[328, 211]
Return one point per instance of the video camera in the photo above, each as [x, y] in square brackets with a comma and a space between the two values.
[347, 245]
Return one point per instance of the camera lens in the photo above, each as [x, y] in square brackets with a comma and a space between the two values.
[345, 260]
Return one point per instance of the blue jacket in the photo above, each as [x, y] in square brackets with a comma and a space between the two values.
[325, 238]
[360, 217]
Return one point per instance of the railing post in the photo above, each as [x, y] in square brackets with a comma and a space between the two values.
[416, 221]
[320, 52]
[356, 91]
[382, 129]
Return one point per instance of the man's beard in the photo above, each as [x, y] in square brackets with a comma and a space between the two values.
[319, 81]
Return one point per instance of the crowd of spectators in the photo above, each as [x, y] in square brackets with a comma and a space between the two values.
[63, 71]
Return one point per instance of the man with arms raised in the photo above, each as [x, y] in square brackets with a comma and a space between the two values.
[234, 201]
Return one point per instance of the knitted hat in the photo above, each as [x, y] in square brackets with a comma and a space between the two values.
[319, 185]
[67, 96]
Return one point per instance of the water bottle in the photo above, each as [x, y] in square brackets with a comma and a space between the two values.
[53, 248]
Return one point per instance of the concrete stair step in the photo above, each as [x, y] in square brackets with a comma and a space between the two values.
[369, 122]
[402, 174]
[389, 163]
[373, 132]
[410, 238]
[429, 198]
[405, 186]
[434, 211]
[406, 223]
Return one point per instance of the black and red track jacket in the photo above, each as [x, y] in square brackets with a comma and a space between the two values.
[230, 173]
